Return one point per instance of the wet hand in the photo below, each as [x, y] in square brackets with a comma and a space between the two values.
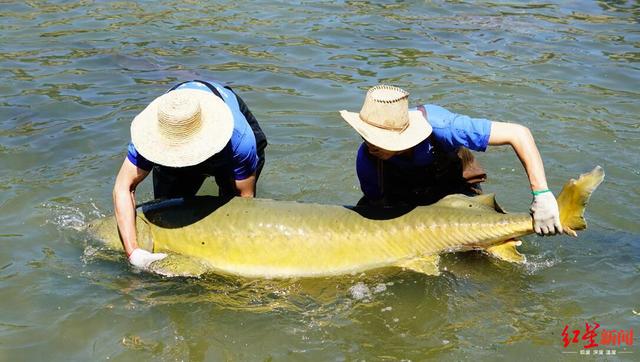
[142, 259]
[546, 217]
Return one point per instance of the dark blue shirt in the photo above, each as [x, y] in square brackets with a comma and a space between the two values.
[450, 130]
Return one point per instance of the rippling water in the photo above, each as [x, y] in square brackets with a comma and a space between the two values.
[73, 75]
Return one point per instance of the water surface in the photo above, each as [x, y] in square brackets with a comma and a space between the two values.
[73, 76]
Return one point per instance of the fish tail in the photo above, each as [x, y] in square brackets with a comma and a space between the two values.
[574, 197]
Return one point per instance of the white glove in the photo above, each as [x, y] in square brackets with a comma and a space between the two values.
[141, 258]
[546, 217]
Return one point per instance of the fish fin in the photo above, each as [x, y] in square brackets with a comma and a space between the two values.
[176, 265]
[507, 251]
[486, 202]
[490, 201]
[486, 199]
[425, 265]
[574, 197]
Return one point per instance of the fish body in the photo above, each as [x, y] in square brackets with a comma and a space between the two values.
[282, 239]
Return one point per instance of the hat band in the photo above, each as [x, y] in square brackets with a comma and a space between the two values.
[389, 128]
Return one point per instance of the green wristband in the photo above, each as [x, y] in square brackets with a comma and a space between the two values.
[536, 193]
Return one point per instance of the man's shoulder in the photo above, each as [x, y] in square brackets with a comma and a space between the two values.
[438, 116]
[137, 159]
[435, 108]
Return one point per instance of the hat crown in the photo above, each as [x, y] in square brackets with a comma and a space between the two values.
[179, 117]
[386, 107]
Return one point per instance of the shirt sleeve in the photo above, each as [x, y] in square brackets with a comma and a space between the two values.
[367, 174]
[137, 159]
[245, 156]
[456, 130]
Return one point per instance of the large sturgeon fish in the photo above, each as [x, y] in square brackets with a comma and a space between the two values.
[281, 239]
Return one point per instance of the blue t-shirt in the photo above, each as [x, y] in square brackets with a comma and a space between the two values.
[450, 130]
[243, 141]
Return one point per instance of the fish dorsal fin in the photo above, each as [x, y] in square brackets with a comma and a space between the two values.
[507, 251]
[490, 201]
[486, 202]
[426, 265]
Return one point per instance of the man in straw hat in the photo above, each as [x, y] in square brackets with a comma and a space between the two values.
[196, 129]
[415, 157]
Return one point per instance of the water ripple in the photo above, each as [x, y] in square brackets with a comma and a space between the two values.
[74, 74]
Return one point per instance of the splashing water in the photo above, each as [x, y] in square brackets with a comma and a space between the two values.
[360, 291]
[536, 263]
[70, 216]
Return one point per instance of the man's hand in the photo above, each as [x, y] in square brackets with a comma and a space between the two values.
[142, 259]
[546, 217]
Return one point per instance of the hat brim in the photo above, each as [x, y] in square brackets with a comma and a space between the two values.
[417, 131]
[214, 133]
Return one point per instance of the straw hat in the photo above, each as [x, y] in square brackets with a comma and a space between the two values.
[385, 120]
[182, 128]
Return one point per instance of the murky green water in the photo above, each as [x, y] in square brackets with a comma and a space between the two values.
[73, 75]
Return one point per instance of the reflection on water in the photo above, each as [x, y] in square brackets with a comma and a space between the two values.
[75, 74]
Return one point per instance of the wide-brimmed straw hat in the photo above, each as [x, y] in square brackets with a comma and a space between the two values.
[385, 120]
[182, 128]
